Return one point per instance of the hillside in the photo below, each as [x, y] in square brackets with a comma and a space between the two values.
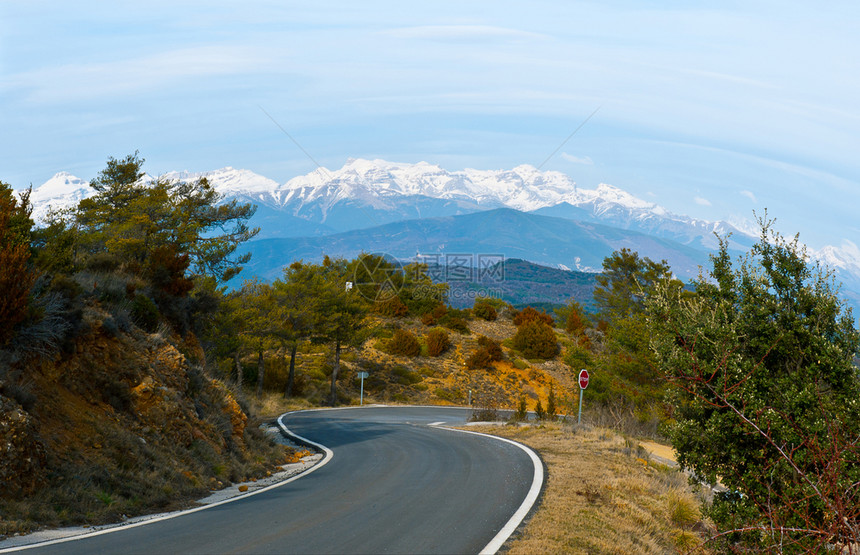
[122, 422]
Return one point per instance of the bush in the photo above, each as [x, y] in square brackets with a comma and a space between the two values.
[529, 314]
[540, 413]
[145, 313]
[437, 342]
[404, 343]
[551, 410]
[536, 340]
[405, 376]
[393, 308]
[432, 317]
[488, 352]
[522, 412]
[484, 310]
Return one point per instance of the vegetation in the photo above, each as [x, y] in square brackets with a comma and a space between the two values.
[766, 396]
[404, 343]
[106, 404]
[605, 494]
[485, 355]
[437, 342]
[535, 339]
[484, 310]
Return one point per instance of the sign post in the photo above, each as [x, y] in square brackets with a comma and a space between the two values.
[583, 383]
[362, 375]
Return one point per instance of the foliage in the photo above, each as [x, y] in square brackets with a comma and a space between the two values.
[625, 283]
[488, 351]
[540, 412]
[16, 275]
[404, 343]
[767, 395]
[145, 313]
[392, 307]
[521, 414]
[575, 324]
[437, 342]
[131, 220]
[551, 409]
[535, 339]
[529, 314]
[484, 310]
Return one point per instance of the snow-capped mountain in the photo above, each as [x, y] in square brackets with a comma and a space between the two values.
[64, 190]
[367, 193]
[364, 193]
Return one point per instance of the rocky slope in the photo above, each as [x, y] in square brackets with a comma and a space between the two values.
[120, 424]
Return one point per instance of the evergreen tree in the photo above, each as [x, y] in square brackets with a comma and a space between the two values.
[299, 294]
[341, 315]
[16, 274]
[185, 224]
[767, 395]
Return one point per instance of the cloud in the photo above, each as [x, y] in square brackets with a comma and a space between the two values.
[702, 201]
[750, 195]
[578, 159]
[80, 81]
[461, 32]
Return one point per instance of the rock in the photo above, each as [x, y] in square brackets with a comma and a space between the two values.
[22, 455]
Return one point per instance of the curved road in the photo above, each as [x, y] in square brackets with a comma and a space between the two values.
[396, 484]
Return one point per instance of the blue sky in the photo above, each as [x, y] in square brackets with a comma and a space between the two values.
[709, 109]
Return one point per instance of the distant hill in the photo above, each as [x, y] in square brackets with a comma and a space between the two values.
[542, 240]
[521, 282]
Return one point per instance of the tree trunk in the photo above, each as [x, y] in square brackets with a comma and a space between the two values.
[291, 378]
[261, 374]
[238, 366]
[334, 371]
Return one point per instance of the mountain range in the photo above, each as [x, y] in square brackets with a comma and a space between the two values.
[404, 209]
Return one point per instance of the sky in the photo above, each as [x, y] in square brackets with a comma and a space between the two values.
[716, 110]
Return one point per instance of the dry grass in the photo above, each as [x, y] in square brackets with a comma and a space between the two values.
[603, 495]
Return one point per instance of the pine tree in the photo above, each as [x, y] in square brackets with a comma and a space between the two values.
[16, 275]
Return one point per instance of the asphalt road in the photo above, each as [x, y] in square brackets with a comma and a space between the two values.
[395, 484]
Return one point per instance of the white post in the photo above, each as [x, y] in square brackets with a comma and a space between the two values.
[579, 416]
[361, 396]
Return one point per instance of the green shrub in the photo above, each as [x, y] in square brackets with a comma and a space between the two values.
[144, 313]
[522, 412]
[551, 410]
[404, 343]
[484, 310]
[455, 323]
[437, 342]
[535, 339]
[540, 413]
[405, 376]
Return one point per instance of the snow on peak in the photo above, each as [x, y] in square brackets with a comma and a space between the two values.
[63, 190]
[845, 257]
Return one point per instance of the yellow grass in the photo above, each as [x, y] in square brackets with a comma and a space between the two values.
[602, 496]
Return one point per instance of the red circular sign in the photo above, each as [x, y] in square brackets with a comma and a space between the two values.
[583, 379]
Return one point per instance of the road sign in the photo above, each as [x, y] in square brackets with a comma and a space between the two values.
[583, 383]
[362, 375]
[583, 379]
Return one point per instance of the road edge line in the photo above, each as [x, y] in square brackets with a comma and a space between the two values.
[327, 456]
[528, 503]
